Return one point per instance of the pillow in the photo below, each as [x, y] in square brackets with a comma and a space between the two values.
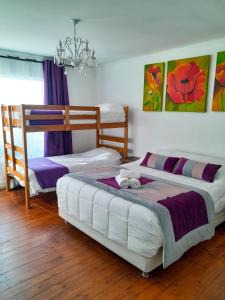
[195, 169]
[159, 162]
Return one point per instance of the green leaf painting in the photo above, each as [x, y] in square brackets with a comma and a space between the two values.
[219, 86]
[153, 87]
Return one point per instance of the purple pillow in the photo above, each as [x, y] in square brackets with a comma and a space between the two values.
[159, 162]
[195, 169]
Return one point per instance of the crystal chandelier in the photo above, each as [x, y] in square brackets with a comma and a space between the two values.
[75, 52]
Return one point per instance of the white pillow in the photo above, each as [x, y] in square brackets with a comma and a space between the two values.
[113, 107]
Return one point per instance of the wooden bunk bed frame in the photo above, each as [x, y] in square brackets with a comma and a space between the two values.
[17, 117]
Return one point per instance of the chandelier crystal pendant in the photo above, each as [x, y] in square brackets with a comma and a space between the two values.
[75, 52]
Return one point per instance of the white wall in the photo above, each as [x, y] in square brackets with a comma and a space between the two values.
[82, 91]
[122, 82]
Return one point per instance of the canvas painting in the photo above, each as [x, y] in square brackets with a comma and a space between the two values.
[187, 84]
[153, 87]
[219, 86]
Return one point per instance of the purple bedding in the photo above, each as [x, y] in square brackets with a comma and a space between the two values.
[111, 181]
[46, 171]
[46, 122]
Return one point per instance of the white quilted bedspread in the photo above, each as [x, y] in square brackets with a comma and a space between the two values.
[132, 226]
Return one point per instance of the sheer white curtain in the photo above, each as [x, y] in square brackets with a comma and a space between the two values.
[21, 82]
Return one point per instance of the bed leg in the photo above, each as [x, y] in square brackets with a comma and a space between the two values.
[27, 198]
[145, 274]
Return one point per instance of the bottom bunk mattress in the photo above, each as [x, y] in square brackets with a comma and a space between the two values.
[44, 172]
[132, 226]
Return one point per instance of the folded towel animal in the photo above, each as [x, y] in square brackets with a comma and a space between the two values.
[124, 183]
[135, 183]
[129, 174]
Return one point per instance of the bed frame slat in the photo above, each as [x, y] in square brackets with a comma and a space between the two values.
[112, 138]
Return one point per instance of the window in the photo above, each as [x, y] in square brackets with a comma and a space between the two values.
[21, 83]
[18, 91]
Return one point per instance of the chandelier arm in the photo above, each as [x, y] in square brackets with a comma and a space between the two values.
[67, 44]
[79, 44]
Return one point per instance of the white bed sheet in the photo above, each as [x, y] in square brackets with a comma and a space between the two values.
[99, 157]
[130, 225]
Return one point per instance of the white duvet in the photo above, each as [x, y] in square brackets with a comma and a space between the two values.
[132, 226]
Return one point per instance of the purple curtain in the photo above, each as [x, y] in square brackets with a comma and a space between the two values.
[56, 93]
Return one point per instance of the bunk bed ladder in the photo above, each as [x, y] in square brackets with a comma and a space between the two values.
[10, 149]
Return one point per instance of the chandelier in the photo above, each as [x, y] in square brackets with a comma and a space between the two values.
[75, 52]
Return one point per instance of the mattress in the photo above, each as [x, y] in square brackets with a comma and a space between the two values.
[99, 157]
[109, 113]
[132, 226]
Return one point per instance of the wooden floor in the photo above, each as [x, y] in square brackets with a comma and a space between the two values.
[43, 258]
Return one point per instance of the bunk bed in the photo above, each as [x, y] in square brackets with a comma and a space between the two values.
[49, 118]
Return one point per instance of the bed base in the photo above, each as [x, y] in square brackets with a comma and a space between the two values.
[145, 264]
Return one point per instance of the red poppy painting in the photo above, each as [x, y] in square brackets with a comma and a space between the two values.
[219, 86]
[153, 87]
[187, 82]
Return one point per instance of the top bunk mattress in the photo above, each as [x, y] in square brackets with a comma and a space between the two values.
[109, 113]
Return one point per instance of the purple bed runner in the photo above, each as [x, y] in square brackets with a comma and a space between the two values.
[111, 181]
[46, 171]
[185, 213]
[46, 122]
[187, 209]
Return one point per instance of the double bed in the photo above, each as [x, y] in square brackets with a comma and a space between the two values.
[129, 229]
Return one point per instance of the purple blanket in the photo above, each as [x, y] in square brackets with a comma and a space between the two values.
[46, 171]
[46, 122]
[111, 181]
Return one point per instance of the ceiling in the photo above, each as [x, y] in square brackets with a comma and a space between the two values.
[115, 28]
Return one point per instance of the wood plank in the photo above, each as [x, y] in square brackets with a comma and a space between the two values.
[45, 128]
[15, 122]
[19, 149]
[44, 107]
[82, 117]
[82, 126]
[19, 162]
[11, 138]
[84, 108]
[112, 125]
[16, 148]
[112, 138]
[16, 108]
[7, 183]
[4, 107]
[45, 117]
[16, 173]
